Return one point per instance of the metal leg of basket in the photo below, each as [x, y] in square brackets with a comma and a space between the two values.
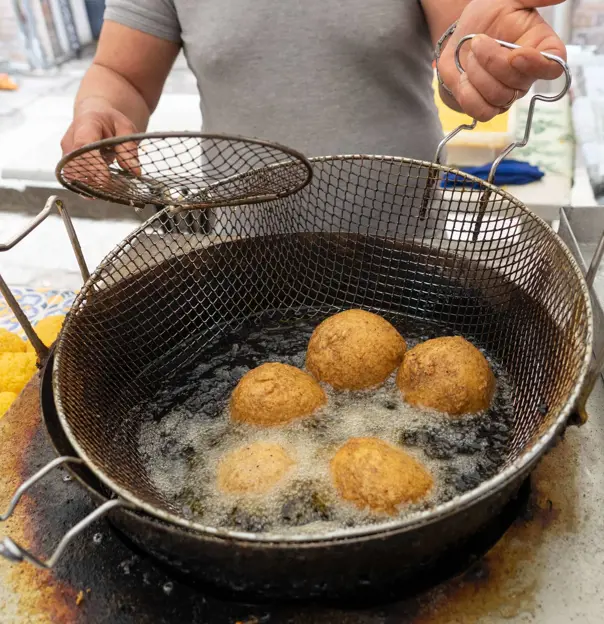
[59, 461]
[580, 415]
[52, 203]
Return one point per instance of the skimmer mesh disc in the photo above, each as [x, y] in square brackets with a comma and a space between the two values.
[184, 170]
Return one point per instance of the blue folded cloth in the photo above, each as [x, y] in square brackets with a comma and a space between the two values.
[509, 172]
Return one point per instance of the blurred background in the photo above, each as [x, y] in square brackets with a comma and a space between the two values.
[47, 45]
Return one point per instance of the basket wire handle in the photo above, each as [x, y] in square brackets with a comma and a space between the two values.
[13, 552]
[52, 203]
[486, 194]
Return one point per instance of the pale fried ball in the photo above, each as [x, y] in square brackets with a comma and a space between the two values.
[275, 394]
[354, 350]
[371, 473]
[254, 469]
[447, 374]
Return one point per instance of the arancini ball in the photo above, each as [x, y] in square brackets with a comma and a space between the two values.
[447, 374]
[373, 474]
[354, 350]
[254, 469]
[275, 394]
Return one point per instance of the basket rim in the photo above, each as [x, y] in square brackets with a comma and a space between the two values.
[488, 488]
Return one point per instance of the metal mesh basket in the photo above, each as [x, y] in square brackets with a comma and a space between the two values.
[184, 170]
[353, 237]
[379, 233]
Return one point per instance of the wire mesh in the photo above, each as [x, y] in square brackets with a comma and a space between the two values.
[184, 170]
[356, 236]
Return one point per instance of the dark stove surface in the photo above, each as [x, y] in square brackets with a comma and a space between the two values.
[101, 579]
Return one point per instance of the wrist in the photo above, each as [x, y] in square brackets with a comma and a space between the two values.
[96, 103]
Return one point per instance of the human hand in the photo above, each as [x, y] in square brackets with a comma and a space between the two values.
[495, 76]
[93, 121]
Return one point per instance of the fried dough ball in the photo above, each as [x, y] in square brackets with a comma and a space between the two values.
[447, 374]
[254, 469]
[354, 350]
[274, 394]
[371, 473]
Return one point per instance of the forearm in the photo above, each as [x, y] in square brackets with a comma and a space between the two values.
[103, 88]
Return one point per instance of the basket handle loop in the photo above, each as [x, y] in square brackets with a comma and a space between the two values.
[534, 99]
[52, 203]
[15, 553]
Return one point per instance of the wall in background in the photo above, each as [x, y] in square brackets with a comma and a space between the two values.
[588, 23]
[41, 34]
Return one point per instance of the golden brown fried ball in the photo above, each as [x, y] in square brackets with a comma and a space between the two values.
[447, 374]
[371, 473]
[254, 469]
[354, 350]
[275, 394]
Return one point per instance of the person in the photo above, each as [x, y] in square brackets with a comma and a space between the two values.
[321, 76]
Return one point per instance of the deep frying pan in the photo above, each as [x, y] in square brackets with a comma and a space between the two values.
[373, 232]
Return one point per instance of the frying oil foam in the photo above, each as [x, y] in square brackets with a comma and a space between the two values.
[187, 430]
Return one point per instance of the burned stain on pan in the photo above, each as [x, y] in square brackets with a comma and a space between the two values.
[27, 593]
[100, 579]
[505, 583]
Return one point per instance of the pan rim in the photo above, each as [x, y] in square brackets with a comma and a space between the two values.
[521, 466]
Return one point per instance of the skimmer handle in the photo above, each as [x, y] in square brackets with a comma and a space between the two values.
[487, 190]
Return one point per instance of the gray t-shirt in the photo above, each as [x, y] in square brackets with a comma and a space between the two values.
[322, 76]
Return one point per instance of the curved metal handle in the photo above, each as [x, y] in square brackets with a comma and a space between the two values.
[52, 203]
[15, 553]
[534, 99]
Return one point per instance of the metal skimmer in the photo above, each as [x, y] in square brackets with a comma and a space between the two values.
[184, 170]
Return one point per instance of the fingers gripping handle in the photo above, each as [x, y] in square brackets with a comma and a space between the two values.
[534, 99]
[486, 194]
[15, 553]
